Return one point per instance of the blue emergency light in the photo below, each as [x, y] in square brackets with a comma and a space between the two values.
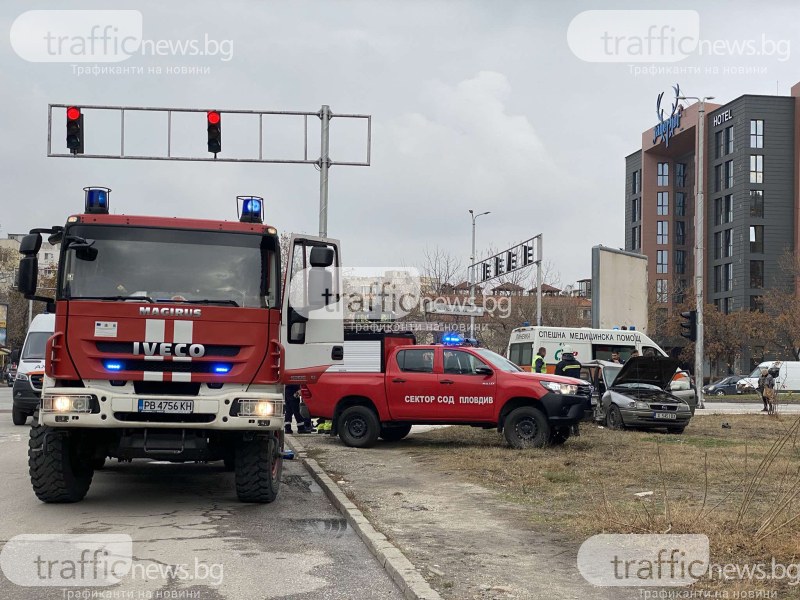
[222, 369]
[96, 200]
[252, 209]
[113, 365]
[451, 338]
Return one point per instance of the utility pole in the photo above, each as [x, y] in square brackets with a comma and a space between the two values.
[699, 245]
[472, 272]
[324, 163]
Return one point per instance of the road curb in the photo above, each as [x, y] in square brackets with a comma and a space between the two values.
[399, 568]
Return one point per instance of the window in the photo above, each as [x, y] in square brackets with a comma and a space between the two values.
[756, 304]
[663, 174]
[728, 269]
[634, 210]
[729, 174]
[680, 262]
[757, 133]
[757, 204]
[719, 144]
[680, 292]
[756, 274]
[636, 238]
[662, 233]
[757, 168]
[636, 182]
[662, 293]
[718, 245]
[729, 139]
[680, 233]
[680, 174]
[756, 239]
[521, 354]
[458, 362]
[718, 182]
[726, 305]
[717, 279]
[727, 239]
[680, 204]
[663, 203]
[661, 261]
[415, 361]
[723, 210]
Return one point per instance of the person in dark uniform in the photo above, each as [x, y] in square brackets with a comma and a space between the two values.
[291, 396]
[539, 365]
[568, 366]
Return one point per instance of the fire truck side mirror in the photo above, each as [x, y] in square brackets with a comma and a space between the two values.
[28, 275]
[321, 256]
[30, 244]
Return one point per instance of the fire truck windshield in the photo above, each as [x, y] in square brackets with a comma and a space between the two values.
[170, 265]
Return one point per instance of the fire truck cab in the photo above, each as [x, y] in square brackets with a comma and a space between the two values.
[173, 341]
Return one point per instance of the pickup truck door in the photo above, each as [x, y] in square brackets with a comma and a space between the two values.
[312, 325]
[412, 384]
[473, 394]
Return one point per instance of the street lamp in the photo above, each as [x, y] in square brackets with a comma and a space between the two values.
[472, 272]
[699, 235]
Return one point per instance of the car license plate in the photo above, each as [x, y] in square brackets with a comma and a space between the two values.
[178, 407]
[665, 415]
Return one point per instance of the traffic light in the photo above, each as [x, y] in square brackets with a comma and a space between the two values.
[511, 260]
[214, 132]
[498, 265]
[527, 255]
[75, 130]
[689, 326]
[484, 271]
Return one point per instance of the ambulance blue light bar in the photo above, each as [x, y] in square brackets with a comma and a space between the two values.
[96, 200]
[252, 209]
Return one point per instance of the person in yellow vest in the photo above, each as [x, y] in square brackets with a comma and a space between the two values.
[539, 366]
[568, 366]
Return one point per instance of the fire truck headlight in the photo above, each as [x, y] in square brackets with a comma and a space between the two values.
[258, 408]
[65, 403]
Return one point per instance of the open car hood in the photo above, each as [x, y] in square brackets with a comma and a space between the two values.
[655, 370]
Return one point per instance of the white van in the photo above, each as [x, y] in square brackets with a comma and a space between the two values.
[30, 370]
[587, 344]
[788, 378]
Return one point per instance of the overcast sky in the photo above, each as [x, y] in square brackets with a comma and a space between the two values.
[476, 104]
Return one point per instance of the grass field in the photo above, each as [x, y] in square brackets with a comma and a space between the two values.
[739, 485]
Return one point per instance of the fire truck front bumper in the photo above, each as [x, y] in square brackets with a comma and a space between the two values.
[98, 408]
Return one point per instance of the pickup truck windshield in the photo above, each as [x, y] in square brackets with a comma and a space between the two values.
[500, 362]
[170, 265]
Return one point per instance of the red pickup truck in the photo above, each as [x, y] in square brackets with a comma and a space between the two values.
[401, 384]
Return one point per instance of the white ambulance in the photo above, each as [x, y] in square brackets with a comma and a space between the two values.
[587, 344]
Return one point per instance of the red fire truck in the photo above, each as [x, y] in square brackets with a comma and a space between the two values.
[388, 383]
[173, 341]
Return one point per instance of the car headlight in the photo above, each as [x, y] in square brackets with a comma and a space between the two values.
[22, 377]
[560, 388]
[251, 407]
[62, 403]
[642, 405]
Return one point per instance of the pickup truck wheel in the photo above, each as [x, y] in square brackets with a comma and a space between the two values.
[395, 433]
[526, 427]
[614, 418]
[18, 417]
[559, 436]
[258, 466]
[359, 427]
[59, 473]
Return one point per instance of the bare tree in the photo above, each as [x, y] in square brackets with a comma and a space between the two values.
[441, 271]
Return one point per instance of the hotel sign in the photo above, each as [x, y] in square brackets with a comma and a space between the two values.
[723, 117]
[666, 127]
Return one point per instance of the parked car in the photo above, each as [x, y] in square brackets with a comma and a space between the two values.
[10, 373]
[788, 378]
[727, 386]
[637, 394]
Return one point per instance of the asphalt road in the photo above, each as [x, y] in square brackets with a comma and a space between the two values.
[298, 547]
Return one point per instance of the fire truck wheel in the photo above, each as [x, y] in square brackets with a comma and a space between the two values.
[258, 466]
[18, 417]
[359, 427]
[559, 436]
[395, 433]
[526, 427]
[59, 471]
